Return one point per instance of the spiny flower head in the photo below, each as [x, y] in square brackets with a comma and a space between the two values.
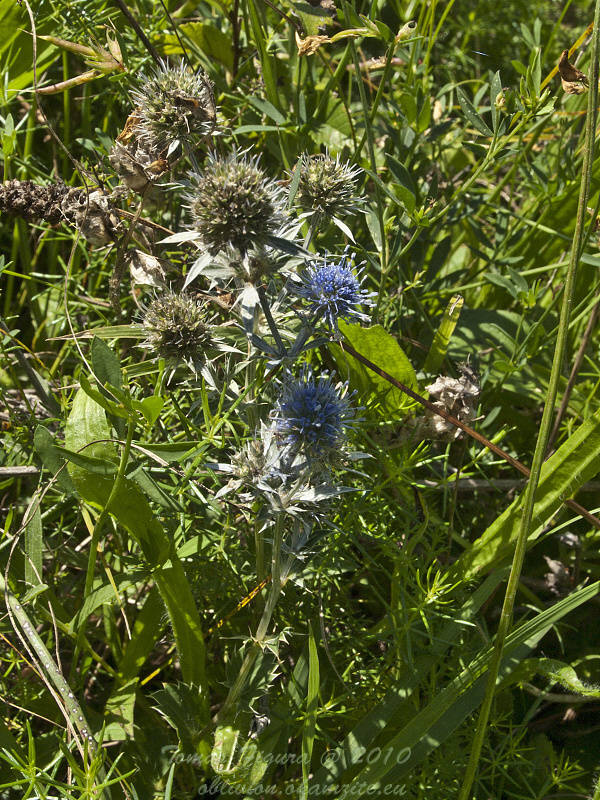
[174, 104]
[327, 186]
[333, 290]
[233, 202]
[312, 416]
[176, 327]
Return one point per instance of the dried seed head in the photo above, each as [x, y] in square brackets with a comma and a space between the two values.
[327, 186]
[573, 80]
[177, 327]
[56, 203]
[456, 397]
[174, 105]
[568, 71]
[233, 202]
[310, 45]
[136, 165]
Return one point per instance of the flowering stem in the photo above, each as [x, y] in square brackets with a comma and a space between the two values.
[264, 304]
[312, 227]
[259, 543]
[257, 641]
[546, 423]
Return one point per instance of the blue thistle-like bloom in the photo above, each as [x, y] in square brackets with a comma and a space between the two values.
[334, 290]
[312, 416]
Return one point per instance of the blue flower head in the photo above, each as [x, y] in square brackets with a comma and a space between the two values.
[333, 290]
[312, 416]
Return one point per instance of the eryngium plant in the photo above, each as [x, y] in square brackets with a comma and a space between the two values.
[233, 202]
[333, 291]
[177, 327]
[174, 105]
[327, 186]
[312, 418]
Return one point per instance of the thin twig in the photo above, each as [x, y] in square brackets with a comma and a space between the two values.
[173, 27]
[17, 472]
[140, 32]
[234, 18]
[114, 291]
[490, 485]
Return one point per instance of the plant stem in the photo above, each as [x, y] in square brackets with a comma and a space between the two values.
[256, 647]
[545, 426]
[72, 709]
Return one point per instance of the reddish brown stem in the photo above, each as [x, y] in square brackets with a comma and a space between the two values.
[463, 427]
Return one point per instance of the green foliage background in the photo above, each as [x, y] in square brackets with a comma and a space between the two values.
[383, 637]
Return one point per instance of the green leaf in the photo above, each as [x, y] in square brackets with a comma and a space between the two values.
[147, 629]
[150, 407]
[295, 182]
[103, 595]
[109, 332]
[312, 17]
[424, 118]
[238, 765]
[384, 351]
[404, 187]
[107, 404]
[180, 705]
[471, 114]
[174, 451]
[267, 108]
[408, 104]
[99, 466]
[105, 364]
[565, 675]
[16, 49]
[43, 441]
[211, 40]
[573, 464]
[152, 490]
[312, 699]
[33, 545]
[495, 89]
[555, 672]
[441, 340]
[87, 425]
[118, 712]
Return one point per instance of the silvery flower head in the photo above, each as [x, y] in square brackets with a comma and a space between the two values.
[233, 202]
[333, 290]
[177, 327]
[327, 186]
[312, 417]
[174, 104]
